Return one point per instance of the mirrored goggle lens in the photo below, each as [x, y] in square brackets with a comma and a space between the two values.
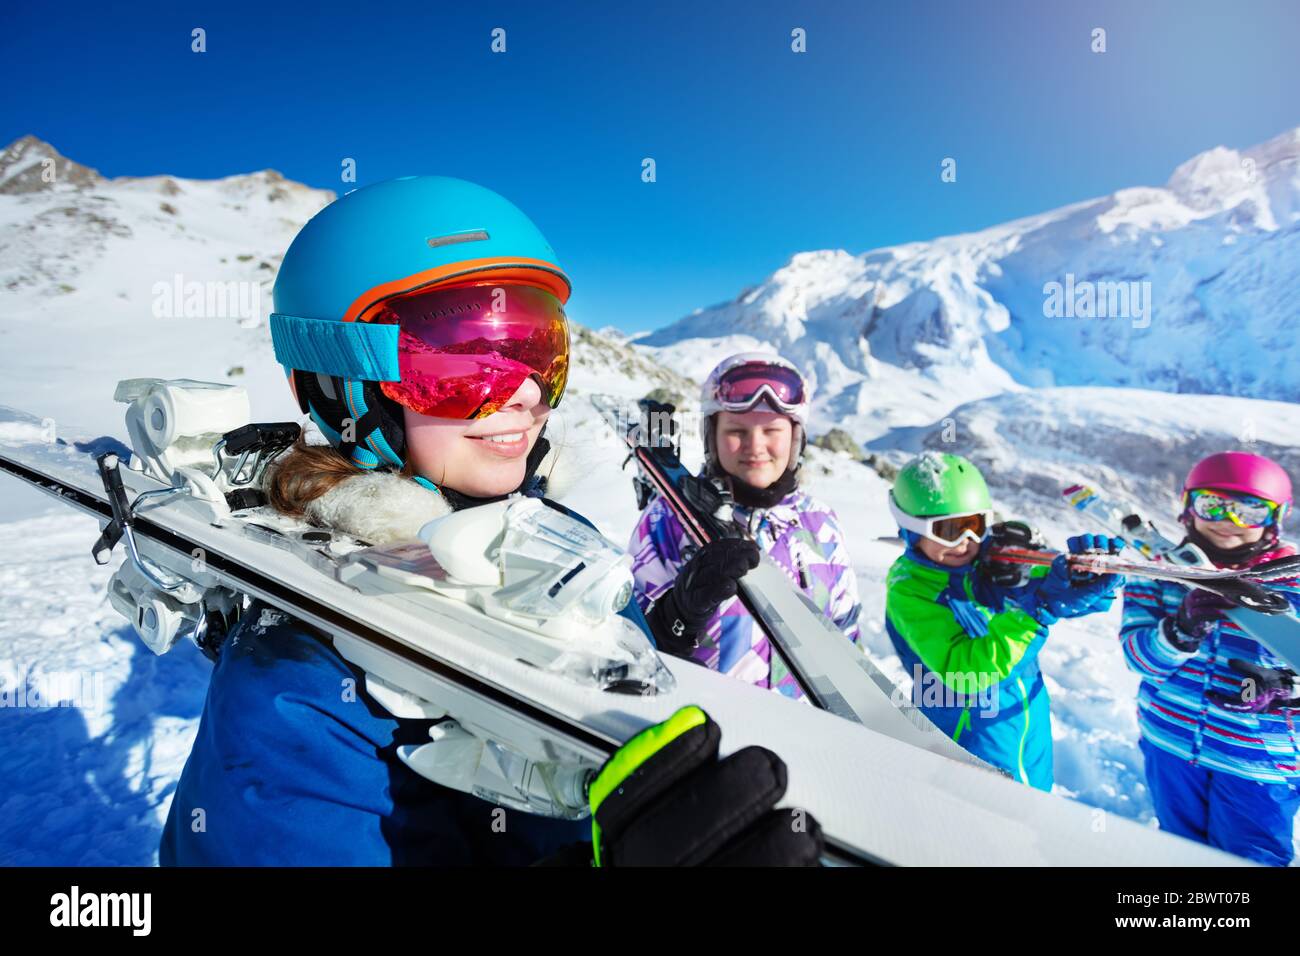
[464, 352]
[950, 530]
[743, 384]
[1245, 510]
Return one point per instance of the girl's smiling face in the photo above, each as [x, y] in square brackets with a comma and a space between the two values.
[1225, 534]
[754, 446]
[482, 457]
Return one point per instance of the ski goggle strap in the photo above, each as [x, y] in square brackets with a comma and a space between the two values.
[948, 530]
[742, 387]
[463, 352]
[1245, 511]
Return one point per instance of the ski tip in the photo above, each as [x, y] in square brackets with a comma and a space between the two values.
[1081, 496]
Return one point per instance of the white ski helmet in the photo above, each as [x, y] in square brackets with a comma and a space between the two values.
[742, 382]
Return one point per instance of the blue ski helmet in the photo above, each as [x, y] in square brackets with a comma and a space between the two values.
[384, 240]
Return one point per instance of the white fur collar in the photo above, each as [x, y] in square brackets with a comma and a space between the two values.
[379, 507]
[383, 508]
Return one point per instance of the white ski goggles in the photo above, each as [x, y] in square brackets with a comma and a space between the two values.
[947, 530]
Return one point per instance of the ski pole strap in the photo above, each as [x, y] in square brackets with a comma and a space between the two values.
[629, 758]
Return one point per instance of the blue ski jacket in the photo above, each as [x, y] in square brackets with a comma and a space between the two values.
[295, 764]
[1177, 707]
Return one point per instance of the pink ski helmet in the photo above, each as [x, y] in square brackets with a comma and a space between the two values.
[1243, 472]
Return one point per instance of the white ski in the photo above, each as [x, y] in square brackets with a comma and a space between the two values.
[541, 729]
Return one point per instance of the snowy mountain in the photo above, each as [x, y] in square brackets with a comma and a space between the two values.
[93, 267]
[1198, 280]
[1031, 444]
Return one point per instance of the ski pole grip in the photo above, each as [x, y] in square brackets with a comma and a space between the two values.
[111, 475]
[107, 541]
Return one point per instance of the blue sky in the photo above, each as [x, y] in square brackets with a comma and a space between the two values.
[760, 152]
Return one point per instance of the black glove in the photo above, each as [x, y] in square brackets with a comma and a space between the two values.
[1009, 534]
[710, 577]
[1263, 689]
[665, 799]
[1198, 615]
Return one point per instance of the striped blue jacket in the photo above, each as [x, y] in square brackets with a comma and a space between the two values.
[1174, 712]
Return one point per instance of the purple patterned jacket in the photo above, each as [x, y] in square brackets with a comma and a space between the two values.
[800, 535]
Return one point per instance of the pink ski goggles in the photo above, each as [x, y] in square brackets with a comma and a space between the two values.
[742, 387]
[463, 352]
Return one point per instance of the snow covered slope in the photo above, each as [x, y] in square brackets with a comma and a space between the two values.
[896, 336]
[84, 260]
[92, 759]
[1136, 444]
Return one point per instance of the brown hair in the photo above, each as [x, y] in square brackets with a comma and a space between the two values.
[306, 472]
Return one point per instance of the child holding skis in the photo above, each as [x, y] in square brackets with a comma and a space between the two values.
[753, 408]
[295, 762]
[1216, 709]
[968, 636]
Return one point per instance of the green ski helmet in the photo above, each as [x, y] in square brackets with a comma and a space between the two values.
[936, 485]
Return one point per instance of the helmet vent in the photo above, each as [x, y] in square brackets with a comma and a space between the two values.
[475, 235]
